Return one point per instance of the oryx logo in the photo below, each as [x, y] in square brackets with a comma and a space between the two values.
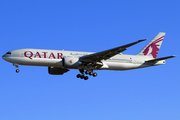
[153, 48]
[70, 61]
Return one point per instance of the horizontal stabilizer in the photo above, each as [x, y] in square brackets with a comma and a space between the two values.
[158, 59]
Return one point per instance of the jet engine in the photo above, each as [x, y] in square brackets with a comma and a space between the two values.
[71, 62]
[57, 70]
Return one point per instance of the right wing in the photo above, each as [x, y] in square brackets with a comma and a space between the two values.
[104, 55]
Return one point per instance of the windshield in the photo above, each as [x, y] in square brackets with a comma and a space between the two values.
[8, 53]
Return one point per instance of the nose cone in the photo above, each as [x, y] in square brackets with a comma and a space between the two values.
[4, 57]
[8, 57]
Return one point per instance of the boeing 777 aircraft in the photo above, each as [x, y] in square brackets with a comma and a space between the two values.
[60, 61]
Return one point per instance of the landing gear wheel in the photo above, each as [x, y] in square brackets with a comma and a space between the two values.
[86, 78]
[82, 77]
[87, 72]
[94, 74]
[83, 74]
[78, 76]
[17, 70]
[91, 73]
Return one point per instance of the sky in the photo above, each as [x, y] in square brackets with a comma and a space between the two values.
[89, 25]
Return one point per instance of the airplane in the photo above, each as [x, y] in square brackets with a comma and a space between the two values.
[60, 61]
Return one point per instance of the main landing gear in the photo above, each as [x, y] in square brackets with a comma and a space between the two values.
[82, 76]
[16, 65]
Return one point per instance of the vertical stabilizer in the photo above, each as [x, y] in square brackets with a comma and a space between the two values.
[152, 48]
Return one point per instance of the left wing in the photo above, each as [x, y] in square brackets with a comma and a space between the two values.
[104, 55]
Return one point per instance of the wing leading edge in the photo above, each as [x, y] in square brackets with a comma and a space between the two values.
[104, 55]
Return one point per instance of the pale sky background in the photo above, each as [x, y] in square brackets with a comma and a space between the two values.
[89, 25]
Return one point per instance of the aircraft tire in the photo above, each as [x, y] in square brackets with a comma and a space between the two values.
[90, 73]
[17, 70]
[94, 74]
[78, 76]
[86, 78]
[87, 72]
[82, 77]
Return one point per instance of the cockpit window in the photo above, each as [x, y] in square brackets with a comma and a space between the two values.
[8, 53]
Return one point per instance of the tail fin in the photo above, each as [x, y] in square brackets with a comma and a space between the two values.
[152, 48]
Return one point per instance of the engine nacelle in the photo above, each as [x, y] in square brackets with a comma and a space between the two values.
[57, 70]
[71, 62]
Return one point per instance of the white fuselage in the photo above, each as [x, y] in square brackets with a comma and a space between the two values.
[53, 58]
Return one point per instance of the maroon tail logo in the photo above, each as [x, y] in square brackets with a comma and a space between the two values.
[154, 47]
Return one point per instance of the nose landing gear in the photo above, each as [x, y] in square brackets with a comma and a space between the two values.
[17, 70]
[16, 65]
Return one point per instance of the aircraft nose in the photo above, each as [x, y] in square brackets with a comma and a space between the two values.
[7, 56]
[3, 57]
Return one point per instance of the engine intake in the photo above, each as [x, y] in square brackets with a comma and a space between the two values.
[71, 62]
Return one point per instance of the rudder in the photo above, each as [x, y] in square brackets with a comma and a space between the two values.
[152, 48]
